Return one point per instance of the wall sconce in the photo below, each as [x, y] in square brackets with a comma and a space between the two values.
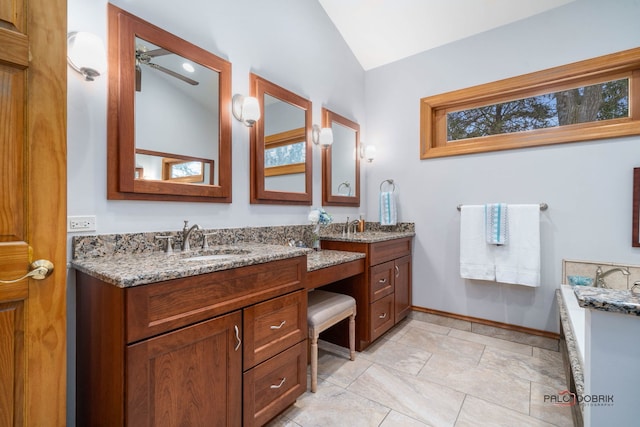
[245, 109]
[322, 137]
[367, 152]
[86, 54]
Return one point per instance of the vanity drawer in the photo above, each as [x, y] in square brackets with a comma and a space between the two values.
[380, 252]
[381, 279]
[273, 326]
[160, 307]
[275, 384]
[382, 316]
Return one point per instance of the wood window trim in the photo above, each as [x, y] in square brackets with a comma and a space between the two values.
[433, 109]
[289, 169]
[285, 138]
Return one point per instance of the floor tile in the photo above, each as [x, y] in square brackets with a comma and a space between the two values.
[525, 367]
[442, 344]
[449, 322]
[479, 413]
[493, 342]
[414, 397]
[396, 355]
[338, 369]
[516, 336]
[332, 405]
[396, 419]
[546, 411]
[493, 385]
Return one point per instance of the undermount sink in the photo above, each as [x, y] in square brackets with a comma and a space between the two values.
[215, 254]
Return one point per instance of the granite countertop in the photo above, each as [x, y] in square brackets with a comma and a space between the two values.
[368, 236]
[575, 358]
[611, 300]
[126, 270]
[317, 260]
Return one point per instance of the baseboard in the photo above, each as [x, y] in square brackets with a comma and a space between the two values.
[508, 326]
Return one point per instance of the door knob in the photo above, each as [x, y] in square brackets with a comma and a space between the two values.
[38, 270]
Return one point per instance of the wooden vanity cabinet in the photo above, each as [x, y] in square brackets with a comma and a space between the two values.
[172, 352]
[382, 292]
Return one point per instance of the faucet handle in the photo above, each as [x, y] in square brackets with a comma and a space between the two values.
[169, 248]
[186, 224]
[205, 243]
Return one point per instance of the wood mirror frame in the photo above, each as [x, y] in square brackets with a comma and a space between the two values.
[121, 146]
[635, 229]
[329, 198]
[260, 194]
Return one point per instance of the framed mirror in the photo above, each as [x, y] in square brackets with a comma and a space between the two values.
[341, 162]
[281, 156]
[635, 230]
[168, 116]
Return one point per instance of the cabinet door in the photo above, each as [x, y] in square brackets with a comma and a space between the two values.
[191, 376]
[402, 282]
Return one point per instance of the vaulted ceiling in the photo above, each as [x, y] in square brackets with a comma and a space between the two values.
[383, 31]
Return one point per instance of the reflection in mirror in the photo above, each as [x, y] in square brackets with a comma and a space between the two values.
[168, 113]
[280, 146]
[340, 162]
[156, 166]
[172, 91]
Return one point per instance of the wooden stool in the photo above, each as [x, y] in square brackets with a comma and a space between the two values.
[324, 310]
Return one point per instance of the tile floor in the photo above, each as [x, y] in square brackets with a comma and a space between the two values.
[435, 371]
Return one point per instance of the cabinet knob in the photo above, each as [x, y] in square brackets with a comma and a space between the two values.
[397, 271]
[382, 280]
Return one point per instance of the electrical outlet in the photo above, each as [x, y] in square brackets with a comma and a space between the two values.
[81, 223]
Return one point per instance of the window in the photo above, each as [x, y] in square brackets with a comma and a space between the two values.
[593, 99]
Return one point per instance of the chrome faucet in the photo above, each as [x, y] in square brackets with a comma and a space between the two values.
[353, 224]
[600, 275]
[186, 233]
[345, 227]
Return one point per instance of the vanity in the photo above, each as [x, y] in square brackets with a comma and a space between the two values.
[220, 342]
[383, 291]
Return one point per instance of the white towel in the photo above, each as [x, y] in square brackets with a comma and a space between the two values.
[388, 211]
[519, 261]
[496, 227]
[476, 257]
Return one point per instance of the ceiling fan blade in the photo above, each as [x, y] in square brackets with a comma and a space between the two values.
[157, 52]
[138, 78]
[173, 73]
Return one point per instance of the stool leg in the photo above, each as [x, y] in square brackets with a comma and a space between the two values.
[352, 337]
[314, 360]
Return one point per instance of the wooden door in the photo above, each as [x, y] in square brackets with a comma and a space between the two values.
[188, 377]
[32, 211]
[402, 287]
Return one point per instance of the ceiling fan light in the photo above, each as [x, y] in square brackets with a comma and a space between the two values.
[86, 54]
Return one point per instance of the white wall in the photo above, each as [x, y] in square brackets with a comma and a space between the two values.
[587, 185]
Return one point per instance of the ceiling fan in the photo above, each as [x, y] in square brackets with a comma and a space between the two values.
[145, 57]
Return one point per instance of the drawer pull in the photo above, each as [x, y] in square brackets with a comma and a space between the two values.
[237, 337]
[383, 316]
[279, 385]
[397, 271]
[382, 280]
[279, 326]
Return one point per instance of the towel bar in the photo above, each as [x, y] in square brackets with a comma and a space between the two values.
[390, 181]
[543, 207]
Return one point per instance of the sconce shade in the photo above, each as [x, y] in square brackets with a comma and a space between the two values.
[370, 153]
[86, 54]
[245, 109]
[323, 136]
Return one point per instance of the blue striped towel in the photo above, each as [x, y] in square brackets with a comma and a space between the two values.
[496, 229]
[388, 211]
